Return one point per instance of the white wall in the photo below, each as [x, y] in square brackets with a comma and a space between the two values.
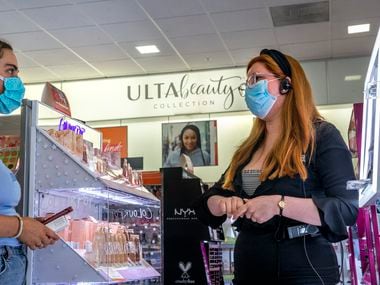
[144, 135]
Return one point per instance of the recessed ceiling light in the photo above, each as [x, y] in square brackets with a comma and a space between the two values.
[354, 29]
[148, 49]
[352, 77]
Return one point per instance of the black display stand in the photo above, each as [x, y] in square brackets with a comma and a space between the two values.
[182, 233]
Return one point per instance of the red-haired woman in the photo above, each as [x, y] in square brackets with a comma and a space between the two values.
[286, 183]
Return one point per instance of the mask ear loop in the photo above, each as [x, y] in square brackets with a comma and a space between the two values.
[250, 86]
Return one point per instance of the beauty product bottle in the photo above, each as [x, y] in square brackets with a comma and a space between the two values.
[125, 168]
[138, 248]
[124, 245]
[98, 247]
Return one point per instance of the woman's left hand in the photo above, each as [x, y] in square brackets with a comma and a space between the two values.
[259, 209]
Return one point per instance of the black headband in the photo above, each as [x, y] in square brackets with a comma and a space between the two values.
[280, 59]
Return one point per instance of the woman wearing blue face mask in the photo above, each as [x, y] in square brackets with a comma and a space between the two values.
[15, 232]
[286, 183]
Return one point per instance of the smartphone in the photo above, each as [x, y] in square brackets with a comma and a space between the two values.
[58, 215]
[58, 221]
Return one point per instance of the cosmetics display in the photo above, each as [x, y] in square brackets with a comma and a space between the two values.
[9, 151]
[213, 262]
[114, 220]
[104, 163]
[103, 243]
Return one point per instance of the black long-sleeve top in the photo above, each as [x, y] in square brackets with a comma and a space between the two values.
[329, 170]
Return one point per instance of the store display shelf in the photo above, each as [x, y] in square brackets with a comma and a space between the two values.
[55, 257]
[140, 194]
[58, 254]
[137, 271]
[62, 173]
[96, 195]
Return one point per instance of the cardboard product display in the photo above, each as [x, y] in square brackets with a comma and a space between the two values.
[56, 99]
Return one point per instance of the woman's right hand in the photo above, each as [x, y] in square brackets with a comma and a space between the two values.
[36, 235]
[219, 205]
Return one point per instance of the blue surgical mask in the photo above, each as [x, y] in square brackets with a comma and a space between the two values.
[12, 95]
[259, 100]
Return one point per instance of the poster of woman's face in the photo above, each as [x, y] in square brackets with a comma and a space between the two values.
[197, 140]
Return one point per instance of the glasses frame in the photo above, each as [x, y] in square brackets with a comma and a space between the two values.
[252, 79]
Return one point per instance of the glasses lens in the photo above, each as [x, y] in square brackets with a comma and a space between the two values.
[256, 77]
[251, 80]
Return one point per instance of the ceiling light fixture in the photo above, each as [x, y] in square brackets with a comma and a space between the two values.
[352, 77]
[354, 29]
[147, 49]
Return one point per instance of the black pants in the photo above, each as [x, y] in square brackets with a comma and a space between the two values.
[260, 259]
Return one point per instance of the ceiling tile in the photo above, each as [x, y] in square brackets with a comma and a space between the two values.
[113, 11]
[253, 19]
[343, 10]
[132, 31]
[214, 6]
[186, 26]
[208, 60]
[100, 52]
[308, 51]
[75, 71]
[32, 41]
[22, 4]
[162, 45]
[303, 33]
[24, 61]
[271, 3]
[105, 33]
[171, 8]
[85, 1]
[353, 46]
[83, 36]
[162, 64]
[5, 6]
[37, 74]
[243, 56]
[69, 17]
[198, 44]
[8, 20]
[118, 67]
[247, 39]
[53, 57]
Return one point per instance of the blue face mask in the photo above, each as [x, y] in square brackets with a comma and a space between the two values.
[259, 100]
[12, 95]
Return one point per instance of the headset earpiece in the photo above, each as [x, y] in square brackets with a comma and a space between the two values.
[285, 86]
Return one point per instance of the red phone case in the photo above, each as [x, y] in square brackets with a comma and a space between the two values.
[57, 215]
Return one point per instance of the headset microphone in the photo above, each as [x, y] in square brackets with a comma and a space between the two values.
[283, 63]
[285, 86]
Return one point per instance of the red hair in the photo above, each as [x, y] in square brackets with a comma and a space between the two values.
[297, 132]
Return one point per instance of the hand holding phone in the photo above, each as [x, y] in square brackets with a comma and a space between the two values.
[58, 221]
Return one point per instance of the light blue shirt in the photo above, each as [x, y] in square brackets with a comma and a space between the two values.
[10, 194]
[198, 157]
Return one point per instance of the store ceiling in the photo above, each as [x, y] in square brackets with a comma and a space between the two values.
[58, 40]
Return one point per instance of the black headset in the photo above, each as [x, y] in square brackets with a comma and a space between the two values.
[283, 63]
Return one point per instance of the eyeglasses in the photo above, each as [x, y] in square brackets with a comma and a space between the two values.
[256, 77]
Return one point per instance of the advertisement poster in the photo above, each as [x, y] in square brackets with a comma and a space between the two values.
[115, 143]
[197, 140]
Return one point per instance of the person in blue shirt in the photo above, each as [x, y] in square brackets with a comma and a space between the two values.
[15, 232]
[190, 138]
